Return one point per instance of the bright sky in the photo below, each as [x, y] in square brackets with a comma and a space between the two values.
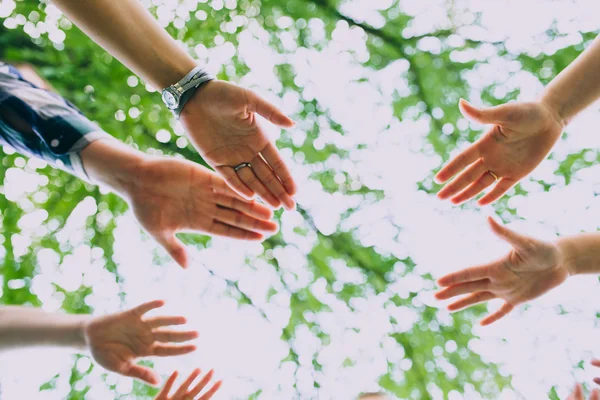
[538, 346]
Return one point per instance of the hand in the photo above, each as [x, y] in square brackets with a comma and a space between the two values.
[117, 340]
[522, 136]
[172, 195]
[578, 394]
[183, 393]
[531, 269]
[221, 121]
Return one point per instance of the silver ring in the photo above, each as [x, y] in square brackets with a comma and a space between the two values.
[493, 175]
[242, 165]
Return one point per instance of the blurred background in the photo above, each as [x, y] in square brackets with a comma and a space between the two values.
[340, 301]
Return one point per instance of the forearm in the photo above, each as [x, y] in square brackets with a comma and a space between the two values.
[581, 253]
[113, 164]
[129, 32]
[26, 327]
[577, 86]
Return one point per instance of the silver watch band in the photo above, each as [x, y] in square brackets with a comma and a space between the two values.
[188, 89]
[177, 95]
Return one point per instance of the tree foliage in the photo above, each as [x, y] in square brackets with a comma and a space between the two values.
[433, 79]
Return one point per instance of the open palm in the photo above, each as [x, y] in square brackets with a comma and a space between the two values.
[521, 137]
[175, 195]
[221, 121]
[117, 340]
[529, 270]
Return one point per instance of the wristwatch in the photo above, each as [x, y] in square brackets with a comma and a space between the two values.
[175, 96]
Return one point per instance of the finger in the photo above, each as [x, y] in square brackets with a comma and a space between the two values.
[502, 186]
[234, 182]
[597, 381]
[458, 163]
[463, 288]
[474, 189]
[198, 388]
[210, 393]
[164, 335]
[465, 275]
[471, 300]
[514, 238]
[186, 384]
[491, 115]
[157, 322]
[272, 156]
[243, 221]
[577, 393]
[595, 395]
[167, 350]
[249, 178]
[140, 372]
[268, 110]
[596, 362]
[502, 312]
[251, 208]
[164, 392]
[271, 181]
[175, 248]
[468, 176]
[221, 229]
[151, 305]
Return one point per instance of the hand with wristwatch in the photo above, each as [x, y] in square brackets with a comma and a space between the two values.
[221, 120]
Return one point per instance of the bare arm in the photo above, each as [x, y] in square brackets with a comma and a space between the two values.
[25, 326]
[581, 253]
[128, 31]
[578, 85]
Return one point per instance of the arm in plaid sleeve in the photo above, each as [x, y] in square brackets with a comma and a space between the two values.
[39, 123]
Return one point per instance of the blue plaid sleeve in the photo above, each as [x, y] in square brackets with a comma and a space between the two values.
[49, 127]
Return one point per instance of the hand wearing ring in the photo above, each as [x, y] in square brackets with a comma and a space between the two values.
[222, 123]
[520, 138]
[242, 165]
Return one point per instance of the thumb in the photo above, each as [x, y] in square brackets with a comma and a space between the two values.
[268, 111]
[515, 239]
[175, 248]
[491, 115]
[140, 372]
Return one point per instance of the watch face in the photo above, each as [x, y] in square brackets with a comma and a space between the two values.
[169, 99]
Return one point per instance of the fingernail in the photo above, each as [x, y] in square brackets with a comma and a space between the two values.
[291, 206]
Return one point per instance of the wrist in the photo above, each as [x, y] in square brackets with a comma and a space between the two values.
[568, 255]
[113, 164]
[555, 107]
[79, 333]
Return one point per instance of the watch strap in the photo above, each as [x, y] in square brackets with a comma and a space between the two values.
[190, 88]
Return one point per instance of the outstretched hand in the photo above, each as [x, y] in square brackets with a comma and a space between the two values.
[117, 340]
[521, 137]
[173, 195]
[221, 121]
[184, 392]
[529, 270]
